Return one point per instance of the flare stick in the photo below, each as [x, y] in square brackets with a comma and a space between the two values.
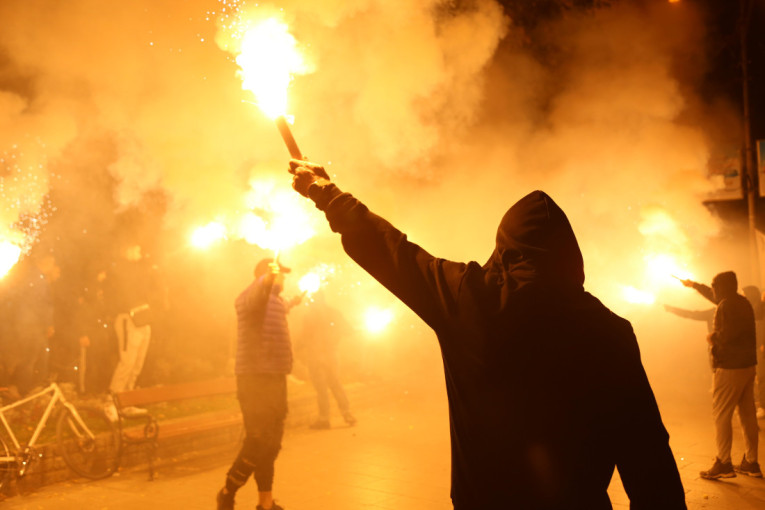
[289, 140]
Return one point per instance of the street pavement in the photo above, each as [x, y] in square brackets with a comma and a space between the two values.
[396, 457]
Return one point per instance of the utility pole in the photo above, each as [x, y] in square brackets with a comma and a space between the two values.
[749, 169]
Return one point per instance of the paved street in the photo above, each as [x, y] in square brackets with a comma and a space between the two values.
[396, 457]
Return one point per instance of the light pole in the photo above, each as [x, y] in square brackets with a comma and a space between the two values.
[749, 169]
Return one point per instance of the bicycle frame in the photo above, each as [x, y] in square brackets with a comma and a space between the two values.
[56, 396]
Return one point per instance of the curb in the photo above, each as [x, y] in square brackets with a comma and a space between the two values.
[50, 468]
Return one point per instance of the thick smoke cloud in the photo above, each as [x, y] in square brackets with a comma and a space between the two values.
[438, 114]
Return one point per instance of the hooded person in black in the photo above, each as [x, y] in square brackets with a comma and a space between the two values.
[547, 393]
[732, 347]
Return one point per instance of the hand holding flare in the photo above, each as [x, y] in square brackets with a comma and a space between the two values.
[304, 174]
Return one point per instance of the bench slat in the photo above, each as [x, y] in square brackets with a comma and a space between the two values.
[143, 396]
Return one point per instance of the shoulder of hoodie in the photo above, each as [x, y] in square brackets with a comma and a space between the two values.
[587, 304]
[734, 301]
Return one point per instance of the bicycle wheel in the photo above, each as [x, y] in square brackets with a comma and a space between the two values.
[8, 465]
[92, 451]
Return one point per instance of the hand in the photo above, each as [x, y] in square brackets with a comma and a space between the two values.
[274, 267]
[687, 283]
[305, 174]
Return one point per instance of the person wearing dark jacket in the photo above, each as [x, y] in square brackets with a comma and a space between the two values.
[263, 361]
[546, 390]
[734, 361]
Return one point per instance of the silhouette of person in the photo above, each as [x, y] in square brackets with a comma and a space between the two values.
[546, 389]
[324, 327]
[263, 360]
[734, 360]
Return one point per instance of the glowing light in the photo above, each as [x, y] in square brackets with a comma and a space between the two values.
[659, 273]
[309, 283]
[206, 236]
[636, 296]
[268, 59]
[24, 199]
[279, 219]
[377, 319]
[661, 267]
[9, 255]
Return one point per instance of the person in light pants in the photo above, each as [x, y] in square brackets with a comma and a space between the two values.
[133, 345]
[732, 347]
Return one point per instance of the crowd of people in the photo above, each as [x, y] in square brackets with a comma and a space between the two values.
[545, 384]
[94, 335]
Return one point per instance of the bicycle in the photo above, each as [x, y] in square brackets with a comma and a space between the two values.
[86, 439]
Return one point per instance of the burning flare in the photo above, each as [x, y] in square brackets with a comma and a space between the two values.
[309, 283]
[659, 271]
[276, 219]
[268, 59]
[377, 319]
[9, 255]
[279, 219]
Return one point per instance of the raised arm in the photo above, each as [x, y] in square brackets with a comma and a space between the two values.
[426, 284]
[702, 289]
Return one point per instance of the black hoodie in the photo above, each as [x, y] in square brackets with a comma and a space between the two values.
[547, 393]
[734, 337]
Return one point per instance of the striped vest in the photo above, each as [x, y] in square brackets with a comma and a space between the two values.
[263, 338]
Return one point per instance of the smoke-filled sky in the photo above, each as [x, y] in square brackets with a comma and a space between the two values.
[438, 114]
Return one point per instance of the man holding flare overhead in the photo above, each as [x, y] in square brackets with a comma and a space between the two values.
[547, 393]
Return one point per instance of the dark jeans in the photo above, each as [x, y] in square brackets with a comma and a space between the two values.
[263, 399]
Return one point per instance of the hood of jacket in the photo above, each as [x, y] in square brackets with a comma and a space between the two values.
[725, 285]
[535, 243]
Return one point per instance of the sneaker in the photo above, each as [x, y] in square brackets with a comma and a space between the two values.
[760, 412]
[273, 507]
[719, 470]
[748, 468]
[320, 425]
[224, 500]
[349, 419]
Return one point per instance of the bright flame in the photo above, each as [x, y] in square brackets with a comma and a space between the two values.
[659, 271]
[309, 283]
[661, 267]
[204, 237]
[377, 319]
[640, 297]
[268, 59]
[280, 219]
[9, 255]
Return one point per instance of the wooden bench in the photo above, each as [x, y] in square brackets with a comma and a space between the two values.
[148, 429]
